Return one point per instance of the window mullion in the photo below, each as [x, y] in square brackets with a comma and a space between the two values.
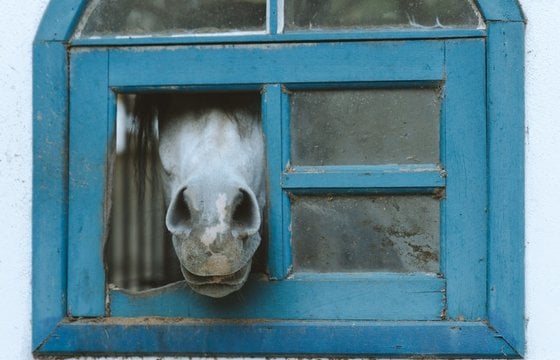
[278, 250]
[274, 16]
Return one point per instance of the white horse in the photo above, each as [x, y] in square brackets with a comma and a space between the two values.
[211, 149]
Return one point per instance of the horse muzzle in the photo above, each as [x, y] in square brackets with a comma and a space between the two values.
[217, 286]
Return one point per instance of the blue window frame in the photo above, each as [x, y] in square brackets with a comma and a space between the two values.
[474, 307]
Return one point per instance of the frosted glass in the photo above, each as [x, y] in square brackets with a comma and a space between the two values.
[363, 14]
[361, 127]
[166, 17]
[397, 233]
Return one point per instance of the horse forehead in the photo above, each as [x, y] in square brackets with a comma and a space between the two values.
[215, 126]
[212, 139]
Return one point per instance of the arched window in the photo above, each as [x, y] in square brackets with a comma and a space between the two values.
[393, 143]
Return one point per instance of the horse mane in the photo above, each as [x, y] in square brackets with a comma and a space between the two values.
[150, 108]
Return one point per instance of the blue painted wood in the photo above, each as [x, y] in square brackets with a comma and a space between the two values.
[281, 63]
[505, 134]
[363, 177]
[87, 181]
[59, 20]
[286, 130]
[183, 88]
[365, 85]
[286, 206]
[281, 38]
[280, 338]
[464, 115]
[272, 12]
[506, 182]
[501, 10]
[272, 127]
[49, 187]
[443, 211]
[396, 297]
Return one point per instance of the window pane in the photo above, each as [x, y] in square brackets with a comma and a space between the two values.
[166, 17]
[394, 233]
[359, 127]
[364, 14]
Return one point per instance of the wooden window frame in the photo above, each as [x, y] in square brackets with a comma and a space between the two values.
[69, 316]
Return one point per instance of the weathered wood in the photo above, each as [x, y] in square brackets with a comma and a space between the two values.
[345, 63]
[464, 210]
[50, 167]
[501, 10]
[506, 139]
[88, 171]
[272, 127]
[334, 297]
[395, 177]
[279, 63]
[60, 20]
[278, 338]
[50, 191]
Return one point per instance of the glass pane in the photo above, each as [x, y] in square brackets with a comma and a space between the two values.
[171, 17]
[396, 233]
[359, 127]
[367, 14]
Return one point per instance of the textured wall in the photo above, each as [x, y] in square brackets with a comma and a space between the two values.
[18, 23]
[542, 178]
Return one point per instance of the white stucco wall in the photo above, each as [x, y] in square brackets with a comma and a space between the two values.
[18, 23]
[542, 159]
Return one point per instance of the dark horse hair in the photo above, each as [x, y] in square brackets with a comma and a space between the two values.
[151, 108]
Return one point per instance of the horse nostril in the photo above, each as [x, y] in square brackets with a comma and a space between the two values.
[179, 217]
[245, 217]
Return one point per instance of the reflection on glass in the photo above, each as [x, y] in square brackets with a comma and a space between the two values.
[171, 17]
[356, 14]
[360, 127]
[398, 233]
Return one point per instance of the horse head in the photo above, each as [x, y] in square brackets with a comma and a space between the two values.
[211, 149]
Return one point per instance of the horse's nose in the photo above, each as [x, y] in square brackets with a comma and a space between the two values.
[215, 230]
[232, 210]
